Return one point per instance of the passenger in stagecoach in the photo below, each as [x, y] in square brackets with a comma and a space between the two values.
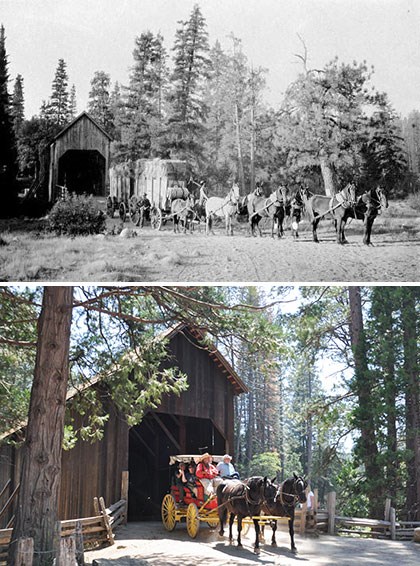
[227, 469]
[181, 480]
[191, 478]
[208, 475]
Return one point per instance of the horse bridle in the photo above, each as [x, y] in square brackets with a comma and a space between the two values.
[280, 494]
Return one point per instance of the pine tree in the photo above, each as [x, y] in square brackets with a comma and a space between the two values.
[72, 103]
[188, 111]
[8, 151]
[140, 113]
[18, 105]
[99, 104]
[59, 104]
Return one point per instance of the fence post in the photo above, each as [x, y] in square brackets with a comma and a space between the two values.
[105, 519]
[80, 556]
[67, 555]
[331, 512]
[24, 552]
[303, 512]
[124, 493]
[387, 509]
[393, 523]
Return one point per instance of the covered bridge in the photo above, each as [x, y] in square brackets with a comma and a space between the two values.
[200, 418]
[79, 158]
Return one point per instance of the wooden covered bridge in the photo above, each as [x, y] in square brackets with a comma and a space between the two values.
[200, 418]
[79, 158]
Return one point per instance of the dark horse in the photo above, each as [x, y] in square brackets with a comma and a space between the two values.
[243, 499]
[288, 494]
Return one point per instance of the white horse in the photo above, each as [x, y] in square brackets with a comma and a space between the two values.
[223, 208]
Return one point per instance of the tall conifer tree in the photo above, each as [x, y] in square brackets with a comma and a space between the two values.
[8, 152]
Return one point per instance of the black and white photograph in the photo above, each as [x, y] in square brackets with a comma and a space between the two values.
[210, 141]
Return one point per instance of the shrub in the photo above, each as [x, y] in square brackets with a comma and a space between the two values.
[76, 216]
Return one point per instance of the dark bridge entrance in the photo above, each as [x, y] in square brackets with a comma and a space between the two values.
[151, 443]
[82, 171]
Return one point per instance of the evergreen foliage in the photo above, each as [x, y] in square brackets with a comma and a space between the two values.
[99, 104]
[8, 149]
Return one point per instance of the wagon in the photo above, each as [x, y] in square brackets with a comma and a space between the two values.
[146, 185]
[196, 509]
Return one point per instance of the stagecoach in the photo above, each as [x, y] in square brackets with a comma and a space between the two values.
[196, 510]
[145, 189]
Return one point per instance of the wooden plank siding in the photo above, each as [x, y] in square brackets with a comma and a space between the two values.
[201, 416]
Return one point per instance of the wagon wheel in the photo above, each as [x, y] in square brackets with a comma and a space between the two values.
[110, 207]
[213, 525]
[193, 521]
[155, 218]
[168, 512]
[123, 211]
[134, 210]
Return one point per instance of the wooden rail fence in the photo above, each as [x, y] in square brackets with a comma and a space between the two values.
[76, 534]
[389, 527]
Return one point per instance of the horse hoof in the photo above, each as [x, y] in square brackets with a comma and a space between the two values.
[294, 551]
[257, 551]
[273, 544]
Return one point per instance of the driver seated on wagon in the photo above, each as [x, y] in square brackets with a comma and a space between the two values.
[226, 468]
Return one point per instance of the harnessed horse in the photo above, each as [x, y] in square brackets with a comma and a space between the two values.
[273, 207]
[223, 208]
[367, 208]
[340, 207]
[288, 494]
[243, 499]
[182, 211]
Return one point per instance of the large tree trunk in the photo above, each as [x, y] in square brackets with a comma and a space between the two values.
[239, 149]
[36, 515]
[412, 402]
[327, 176]
[367, 446]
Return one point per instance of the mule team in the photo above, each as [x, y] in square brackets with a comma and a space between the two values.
[281, 203]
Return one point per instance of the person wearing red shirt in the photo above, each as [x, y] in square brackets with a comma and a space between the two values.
[208, 474]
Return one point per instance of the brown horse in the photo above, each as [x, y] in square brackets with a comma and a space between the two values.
[273, 207]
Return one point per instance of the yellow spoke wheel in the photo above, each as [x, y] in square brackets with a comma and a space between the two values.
[168, 512]
[193, 522]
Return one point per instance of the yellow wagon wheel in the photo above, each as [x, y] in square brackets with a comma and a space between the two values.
[168, 510]
[193, 521]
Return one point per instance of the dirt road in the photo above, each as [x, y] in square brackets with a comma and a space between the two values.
[149, 543]
[31, 254]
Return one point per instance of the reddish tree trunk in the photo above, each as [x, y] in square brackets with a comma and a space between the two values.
[36, 515]
[363, 386]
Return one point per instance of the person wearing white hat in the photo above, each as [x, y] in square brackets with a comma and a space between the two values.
[226, 468]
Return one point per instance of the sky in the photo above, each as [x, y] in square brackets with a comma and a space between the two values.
[98, 35]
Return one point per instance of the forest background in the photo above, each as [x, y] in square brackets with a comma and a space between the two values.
[332, 374]
[199, 102]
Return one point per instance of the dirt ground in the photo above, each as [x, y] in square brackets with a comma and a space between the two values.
[149, 543]
[30, 254]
